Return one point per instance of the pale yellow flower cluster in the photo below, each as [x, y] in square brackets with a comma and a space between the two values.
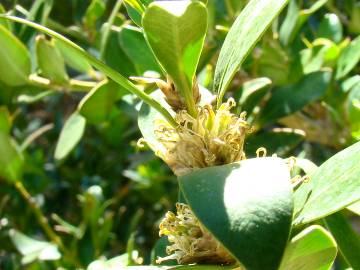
[212, 138]
[190, 242]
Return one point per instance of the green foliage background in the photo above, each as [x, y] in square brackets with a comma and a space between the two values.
[104, 196]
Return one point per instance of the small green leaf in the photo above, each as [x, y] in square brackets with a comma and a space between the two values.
[242, 37]
[295, 19]
[70, 135]
[5, 120]
[175, 30]
[346, 238]
[72, 58]
[15, 64]
[348, 58]
[335, 185]
[279, 141]
[11, 161]
[291, 98]
[312, 249]
[134, 45]
[32, 249]
[50, 61]
[247, 206]
[331, 28]
[252, 92]
[98, 103]
[94, 11]
[6, 24]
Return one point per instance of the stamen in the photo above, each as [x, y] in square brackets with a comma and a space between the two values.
[261, 152]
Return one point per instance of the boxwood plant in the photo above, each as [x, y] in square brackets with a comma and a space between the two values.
[233, 212]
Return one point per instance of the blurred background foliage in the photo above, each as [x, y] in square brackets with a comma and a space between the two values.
[68, 137]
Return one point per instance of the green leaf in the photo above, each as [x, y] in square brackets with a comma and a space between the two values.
[182, 267]
[331, 28]
[175, 30]
[50, 61]
[108, 71]
[32, 249]
[251, 87]
[295, 19]
[6, 24]
[279, 141]
[5, 120]
[242, 37]
[94, 11]
[335, 185]
[72, 58]
[346, 238]
[291, 98]
[348, 58]
[70, 135]
[98, 103]
[11, 161]
[312, 249]
[15, 64]
[247, 206]
[134, 45]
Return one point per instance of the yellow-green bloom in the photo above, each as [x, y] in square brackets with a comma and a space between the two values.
[212, 138]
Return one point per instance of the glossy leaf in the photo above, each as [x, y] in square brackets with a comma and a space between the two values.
[347, 239]
[335, 185]
[295, 19]
[252, 92]
[242, 37]
[312, 249]
[247, 206]
[98, 103]
[289, 99]
[355, 208]
[72, 58]
[279, 141]
[33, 249]
[175, 30]
[50, 61]
[15, 64]
[11, 161]
[70, 135]
[134, 45]
[331, 28]
[348, 59]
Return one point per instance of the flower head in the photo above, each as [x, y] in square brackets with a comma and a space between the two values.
[212, 138]
[190, 242]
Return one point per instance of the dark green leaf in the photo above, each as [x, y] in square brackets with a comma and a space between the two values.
[289, 99]
[50, 61]
[242, 37]
[134, 45]
[312, 249]
[247, 206]
[331, 28]
[346, 238]
[335, 185]
[98, 103]
[70, 135]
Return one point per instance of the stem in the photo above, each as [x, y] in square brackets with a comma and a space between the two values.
[229, 9]
[43, 222]
[110, 22]
[73, 85]
[108, 71]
